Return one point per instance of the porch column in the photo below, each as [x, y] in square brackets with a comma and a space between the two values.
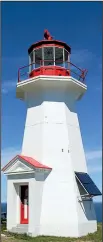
[11, 204]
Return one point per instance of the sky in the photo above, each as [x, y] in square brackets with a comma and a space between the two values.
[79, 24]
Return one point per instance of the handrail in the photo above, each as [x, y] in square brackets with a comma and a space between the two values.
[81, 75]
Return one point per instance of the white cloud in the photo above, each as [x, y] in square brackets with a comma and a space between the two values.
[100, 65]
[98, 89]
[95, 169]
[94, 154]
[82, 56]
[94, 161]
[7, 154]
[83, 59]
[8, 86]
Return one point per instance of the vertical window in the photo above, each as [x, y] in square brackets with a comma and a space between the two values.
[58, 56]
[66, 59]
[30, 61]
[38, 57]
[48, 56]
[31, 57]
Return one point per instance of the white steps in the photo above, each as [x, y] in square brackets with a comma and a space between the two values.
[20, 229]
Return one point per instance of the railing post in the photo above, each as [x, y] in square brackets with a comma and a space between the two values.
[63, 58]
[54, 55]
[43, 56]
[34, 59]
[18, 76]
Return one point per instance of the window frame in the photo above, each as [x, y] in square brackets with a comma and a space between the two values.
[54, 57]
[44, 55]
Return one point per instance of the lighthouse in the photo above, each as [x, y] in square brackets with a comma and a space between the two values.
[49, 190]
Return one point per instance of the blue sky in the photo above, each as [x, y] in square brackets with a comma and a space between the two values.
[79, 24]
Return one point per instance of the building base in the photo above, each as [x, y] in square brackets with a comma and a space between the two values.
[71, 230]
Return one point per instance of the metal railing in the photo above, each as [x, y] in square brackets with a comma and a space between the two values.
[25, 71]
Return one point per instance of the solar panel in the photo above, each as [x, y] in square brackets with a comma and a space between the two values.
[88, 183]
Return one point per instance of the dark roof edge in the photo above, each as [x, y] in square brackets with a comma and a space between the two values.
[37, 44]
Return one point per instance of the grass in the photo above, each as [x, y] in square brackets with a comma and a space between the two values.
[95, 237]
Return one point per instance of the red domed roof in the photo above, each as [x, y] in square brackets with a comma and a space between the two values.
[51, 43]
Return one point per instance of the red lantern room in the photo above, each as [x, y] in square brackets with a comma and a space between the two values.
[50, 57]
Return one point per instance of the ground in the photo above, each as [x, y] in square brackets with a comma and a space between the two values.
[7, 237]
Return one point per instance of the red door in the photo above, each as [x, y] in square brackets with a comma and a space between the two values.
[24, 207]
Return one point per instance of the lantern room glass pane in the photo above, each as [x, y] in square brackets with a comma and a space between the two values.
[31, 57]
[66, 55]
[38, 57]
[58, 56]
[48, 56]
[31, 67]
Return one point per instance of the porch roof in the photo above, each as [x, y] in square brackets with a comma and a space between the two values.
[27, 159]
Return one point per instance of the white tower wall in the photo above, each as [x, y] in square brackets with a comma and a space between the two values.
[52, 136]
[52, 124]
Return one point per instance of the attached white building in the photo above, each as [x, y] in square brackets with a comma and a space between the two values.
[54, 198]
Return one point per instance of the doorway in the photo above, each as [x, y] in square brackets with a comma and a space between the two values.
[24, 206]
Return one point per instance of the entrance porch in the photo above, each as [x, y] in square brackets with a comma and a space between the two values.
[25, 180]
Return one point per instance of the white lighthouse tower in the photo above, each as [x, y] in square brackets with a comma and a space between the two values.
[49, 190]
